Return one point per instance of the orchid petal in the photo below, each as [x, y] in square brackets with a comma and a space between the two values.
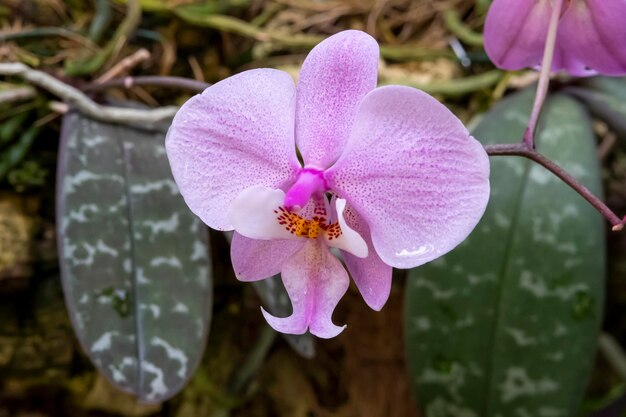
[259, 259]
[254, 214]
[516, 31]
[237, 133]
[593, 33]
[414, 173]
[564, 60]
[371, 275]
[348, 240]
[334, 78]
[315, 281]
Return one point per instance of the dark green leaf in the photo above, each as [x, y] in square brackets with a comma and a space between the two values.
[10, 127]
[13, 154]
[606, 99]
[506, 324]
[134, 260]
[615, 86]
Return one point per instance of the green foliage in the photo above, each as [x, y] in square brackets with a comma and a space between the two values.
[26, 175]
[507, 323]
[202, 7]
[606, 99]
[15, 152]
[92, 62]
[134, 260]
[10, 127]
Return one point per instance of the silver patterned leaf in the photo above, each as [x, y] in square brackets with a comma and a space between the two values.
[507, 323]
[134, 259]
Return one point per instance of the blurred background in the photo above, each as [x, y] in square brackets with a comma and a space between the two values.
[247, 369]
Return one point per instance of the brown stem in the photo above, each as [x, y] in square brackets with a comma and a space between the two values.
[124, 65]
[522, 149]
[147, 118]
[157, 80]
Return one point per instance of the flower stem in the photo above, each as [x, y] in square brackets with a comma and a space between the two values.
[544, 76]
[526, 151]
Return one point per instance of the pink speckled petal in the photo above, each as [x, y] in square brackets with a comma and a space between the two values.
[237, 133]
[259, 259]
[334, 78]
[315, 281]
[371, 275]
[516, 31]
[414, 173]
[593, 33]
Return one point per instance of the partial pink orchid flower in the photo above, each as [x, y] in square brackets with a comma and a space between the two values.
[391, 178]
[591, 35]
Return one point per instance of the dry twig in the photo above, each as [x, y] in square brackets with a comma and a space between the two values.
[75, 97]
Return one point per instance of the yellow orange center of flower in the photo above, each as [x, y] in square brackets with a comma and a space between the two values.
[311, 229]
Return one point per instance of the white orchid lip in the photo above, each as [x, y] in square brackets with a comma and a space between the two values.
[350, 240]
[259, 213]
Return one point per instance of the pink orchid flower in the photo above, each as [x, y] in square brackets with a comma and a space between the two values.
[391, 178]
[591, 35]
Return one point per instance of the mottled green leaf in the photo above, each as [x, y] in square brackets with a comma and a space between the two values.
[506, 325]
[134, 260]
[606, 99]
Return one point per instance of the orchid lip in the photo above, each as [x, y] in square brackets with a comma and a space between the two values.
[309, 182]
[258, 213]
